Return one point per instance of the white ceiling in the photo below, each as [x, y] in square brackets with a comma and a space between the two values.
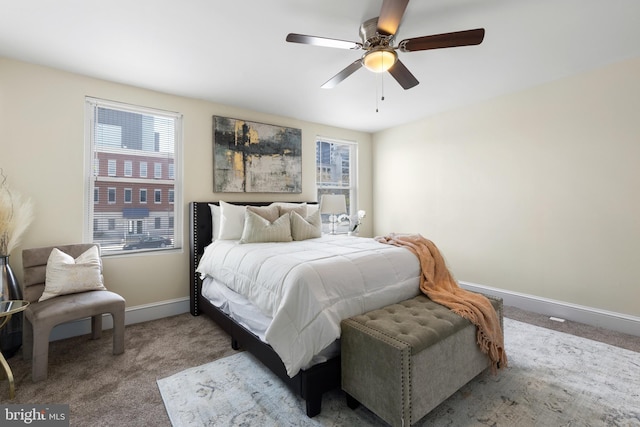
[234, 52]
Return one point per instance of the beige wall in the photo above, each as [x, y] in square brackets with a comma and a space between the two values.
[42, 149]
[536, 192]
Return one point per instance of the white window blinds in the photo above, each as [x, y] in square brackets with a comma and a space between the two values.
[122, 140]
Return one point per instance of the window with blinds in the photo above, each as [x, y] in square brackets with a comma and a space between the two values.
[123, 143]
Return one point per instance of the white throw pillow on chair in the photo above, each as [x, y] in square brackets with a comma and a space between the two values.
[66, 275]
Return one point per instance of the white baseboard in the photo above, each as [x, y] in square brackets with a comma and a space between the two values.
[137, 314]
[591, 316]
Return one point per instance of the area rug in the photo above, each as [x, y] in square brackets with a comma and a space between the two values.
[553, 379]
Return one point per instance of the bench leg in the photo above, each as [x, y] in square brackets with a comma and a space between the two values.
[352, 403]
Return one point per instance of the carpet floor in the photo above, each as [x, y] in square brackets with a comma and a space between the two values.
[553, 379]
[106, 390]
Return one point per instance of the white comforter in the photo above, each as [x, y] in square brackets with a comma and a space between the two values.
[309, 286]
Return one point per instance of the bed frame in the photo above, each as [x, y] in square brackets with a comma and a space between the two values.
[311, 383]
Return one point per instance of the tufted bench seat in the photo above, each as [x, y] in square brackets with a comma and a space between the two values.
[403, 360]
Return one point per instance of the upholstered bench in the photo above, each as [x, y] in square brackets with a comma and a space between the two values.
[403, 360]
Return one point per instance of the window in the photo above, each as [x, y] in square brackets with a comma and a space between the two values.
[111, 167]
[112, 195]
[170, 196]
[119, 137]
[336, 172]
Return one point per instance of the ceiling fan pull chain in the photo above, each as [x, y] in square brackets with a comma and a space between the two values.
[381, 97]
[376, 83]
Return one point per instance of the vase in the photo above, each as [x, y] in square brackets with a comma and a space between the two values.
[11, 333]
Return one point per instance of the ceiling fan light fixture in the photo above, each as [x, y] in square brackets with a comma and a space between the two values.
[379, 60]
[377, 40]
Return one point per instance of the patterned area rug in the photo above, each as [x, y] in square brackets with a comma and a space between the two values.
[553, 379]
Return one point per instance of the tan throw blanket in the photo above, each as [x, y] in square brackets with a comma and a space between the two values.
[439, 285]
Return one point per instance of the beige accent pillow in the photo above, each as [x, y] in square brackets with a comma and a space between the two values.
[312, 208]
[300, 208]
[65, 275]
[259, 230]
[306, 228]
[270, 212]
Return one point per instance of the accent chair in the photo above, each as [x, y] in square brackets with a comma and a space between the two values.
[41, 317]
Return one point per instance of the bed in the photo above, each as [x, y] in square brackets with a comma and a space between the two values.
[309, 378]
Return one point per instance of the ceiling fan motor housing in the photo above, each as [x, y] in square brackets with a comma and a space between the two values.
[370, 36]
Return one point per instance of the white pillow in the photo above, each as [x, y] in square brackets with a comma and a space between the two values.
[215, 221]
[231, 221]
[259, 230]
[65, 275]
[306, 228]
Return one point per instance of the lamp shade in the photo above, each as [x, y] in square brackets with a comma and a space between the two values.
[333, 204]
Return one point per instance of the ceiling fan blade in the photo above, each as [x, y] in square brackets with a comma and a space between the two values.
[352, 68]
[323, 41]
[391, 15]
[403, 75]
[439, 41]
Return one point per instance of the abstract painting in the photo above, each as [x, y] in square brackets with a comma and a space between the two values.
[250, 157]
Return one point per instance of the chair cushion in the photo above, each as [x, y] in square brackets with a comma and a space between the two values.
[66, 275]
[74, 306]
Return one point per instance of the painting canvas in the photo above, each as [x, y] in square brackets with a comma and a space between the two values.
[250, 157]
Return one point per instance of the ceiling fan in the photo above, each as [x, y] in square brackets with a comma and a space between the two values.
[380, 54]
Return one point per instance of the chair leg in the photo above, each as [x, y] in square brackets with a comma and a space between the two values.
[40, 356]
[118, 332]
[27, 339]
[96, 326]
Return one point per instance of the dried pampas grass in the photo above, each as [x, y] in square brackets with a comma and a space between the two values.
[16, 214]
